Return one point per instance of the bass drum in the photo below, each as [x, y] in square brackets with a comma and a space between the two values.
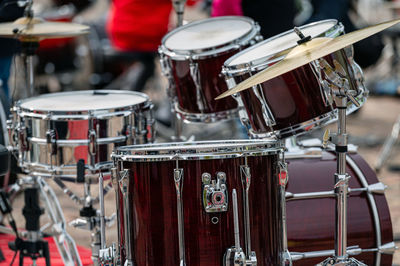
[311, 221]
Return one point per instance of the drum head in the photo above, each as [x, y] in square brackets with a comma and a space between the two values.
[208, 33]
[83, 101]
[274, 46]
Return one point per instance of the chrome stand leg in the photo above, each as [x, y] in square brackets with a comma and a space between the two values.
[341, 190]
[286, 259]
[388, 145]
[65, 244]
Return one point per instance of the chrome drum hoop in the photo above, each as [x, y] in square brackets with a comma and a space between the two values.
[262, 63]
[201, 150]
[206, 117]
[299, 129]
[247, 39]
[113, 127]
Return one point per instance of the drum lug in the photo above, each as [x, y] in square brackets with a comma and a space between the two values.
[92, 142]
[123, 182]
[195, 74]
[51, 142]
[11, 133]
[178, 180]
[215, 193]
[23, 137]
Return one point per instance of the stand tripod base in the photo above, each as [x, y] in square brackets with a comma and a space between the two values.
[346, 262]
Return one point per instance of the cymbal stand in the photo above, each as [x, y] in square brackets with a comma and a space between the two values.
[179, 6]
[341, 91]
[29, 49]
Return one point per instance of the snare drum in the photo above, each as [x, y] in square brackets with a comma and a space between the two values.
[52, 132]
[311, 216]
[295, 102]
[175, 202]
[191, 59]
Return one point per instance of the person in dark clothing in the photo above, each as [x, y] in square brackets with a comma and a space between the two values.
[9, 11]
[273, 16]
[277, 16]
[367, 51]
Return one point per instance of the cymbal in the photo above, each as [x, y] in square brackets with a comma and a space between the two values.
[36, 29]
[307, 52]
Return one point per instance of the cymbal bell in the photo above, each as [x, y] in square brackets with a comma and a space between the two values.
[36, 29]
[307, 52]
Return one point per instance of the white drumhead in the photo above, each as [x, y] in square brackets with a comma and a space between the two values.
[277, 44]
[208, 33]
[83, 101]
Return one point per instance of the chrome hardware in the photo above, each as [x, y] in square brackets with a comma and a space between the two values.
[336, 81]
[338, 262]
[178, 179]
[388, 248]
[51, 142]
[107, 255]
[195, 74]
[215, 193]
[283, 179]
[102, 213]
[123, 185]
[22, 137]
[267, 113]
[11, 132]
[235, 256]
[353, 251]
[92, 142]
[246, 181]
[377, 188]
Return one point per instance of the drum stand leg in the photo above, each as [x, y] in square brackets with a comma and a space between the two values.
[65, 244]
[34, 246]
[388, 145]
[341, 190]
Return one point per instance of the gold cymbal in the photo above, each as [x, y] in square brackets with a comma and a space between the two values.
[307, 52]
[36, 29]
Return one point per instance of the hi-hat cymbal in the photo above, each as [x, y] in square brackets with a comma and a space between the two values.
[36, 29]
[306, 53]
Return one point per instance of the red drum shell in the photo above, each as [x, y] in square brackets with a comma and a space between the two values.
[154, 217]
[311, 222]
[212, 84]
[295, 100]
[209, 60]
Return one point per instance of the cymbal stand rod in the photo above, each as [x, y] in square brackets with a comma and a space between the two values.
[30, 76]
[341, 182]
[179, 6]
[341, 189]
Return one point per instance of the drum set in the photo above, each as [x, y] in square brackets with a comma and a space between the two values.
[217, 202]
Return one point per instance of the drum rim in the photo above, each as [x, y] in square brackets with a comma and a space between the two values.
[213, 50]
[198, 150]
[80, 114]
[262, 62]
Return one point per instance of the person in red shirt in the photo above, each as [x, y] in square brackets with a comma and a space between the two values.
[138, 25]
[135, 28]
